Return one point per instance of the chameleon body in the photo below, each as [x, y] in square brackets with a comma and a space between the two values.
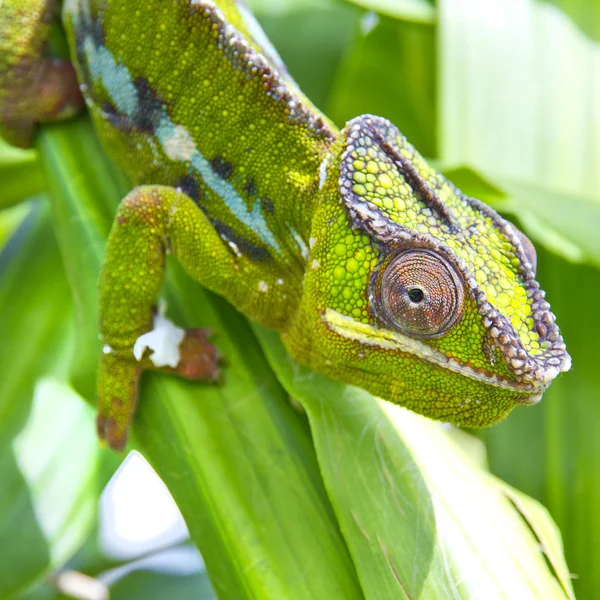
[374, 268]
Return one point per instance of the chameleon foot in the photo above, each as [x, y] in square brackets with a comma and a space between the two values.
[199, 359]
[118, 383]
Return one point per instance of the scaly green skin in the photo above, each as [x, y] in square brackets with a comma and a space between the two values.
[373, 267]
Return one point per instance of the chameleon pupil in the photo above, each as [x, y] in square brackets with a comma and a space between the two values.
[416, 295]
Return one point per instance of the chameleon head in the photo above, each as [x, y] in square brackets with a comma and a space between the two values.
[422, 295]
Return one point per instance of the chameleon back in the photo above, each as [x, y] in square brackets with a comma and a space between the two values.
[182, 97]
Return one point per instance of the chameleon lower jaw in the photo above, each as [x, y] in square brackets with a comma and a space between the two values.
[366, 334]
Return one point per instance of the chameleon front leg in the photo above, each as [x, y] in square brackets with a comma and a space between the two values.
[151, 221]
[33, 87]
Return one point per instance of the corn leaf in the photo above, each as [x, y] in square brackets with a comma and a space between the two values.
[237, 458]
[20, 174]
[518, 91]
[420, 11]
[421, 519]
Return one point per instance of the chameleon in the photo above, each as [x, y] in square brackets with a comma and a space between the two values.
[373, 267]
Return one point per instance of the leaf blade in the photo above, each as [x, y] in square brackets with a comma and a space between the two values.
[184, 431]
[411, 529]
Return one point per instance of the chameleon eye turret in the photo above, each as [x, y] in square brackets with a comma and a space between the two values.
[421, 294]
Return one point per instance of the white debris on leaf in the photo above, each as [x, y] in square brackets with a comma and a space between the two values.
[106, 349]
[163, 340]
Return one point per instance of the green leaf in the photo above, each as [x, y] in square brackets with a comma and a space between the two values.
[36, 335]
[420, 11]
[546, 531]
[48, 499]
[149, 585]
[551, 451]
[584, 13]
[88, 189]
[420, 520]
[237, 458]
[517, 89]
[20, 173]
[311, 41]
[390, 71]
[21, 565]
[10, 219]
[281, 7]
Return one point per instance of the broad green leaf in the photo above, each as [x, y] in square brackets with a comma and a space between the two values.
[419, 518]
[546, 531]
[566, 225]
[237, 458]
[36, 308]
[280, 7]
[552, 451]
[311, 41]
[48, 500]
[585, 13]
[20, 174]
[519, 103]
[240, 466]
[420, 11]
[518, 98]
[20, 566]
[389, 70]
[148, 585]
[10, 219]
[94, 184]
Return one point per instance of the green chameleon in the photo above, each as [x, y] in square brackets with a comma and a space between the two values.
[373, 267]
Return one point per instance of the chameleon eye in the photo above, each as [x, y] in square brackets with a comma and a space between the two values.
[421, 294]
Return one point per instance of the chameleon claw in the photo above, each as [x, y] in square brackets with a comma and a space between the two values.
[199, 359]
[119, 376]
[110, 434]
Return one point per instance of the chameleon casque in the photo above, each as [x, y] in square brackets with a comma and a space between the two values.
[374, 268]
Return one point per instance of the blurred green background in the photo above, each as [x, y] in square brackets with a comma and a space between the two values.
[504, 97]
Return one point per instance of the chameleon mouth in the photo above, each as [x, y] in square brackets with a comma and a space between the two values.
[348, 328]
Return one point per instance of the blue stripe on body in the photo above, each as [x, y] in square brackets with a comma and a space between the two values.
[118, 83]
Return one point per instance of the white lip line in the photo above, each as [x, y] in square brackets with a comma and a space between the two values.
[349, 328]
